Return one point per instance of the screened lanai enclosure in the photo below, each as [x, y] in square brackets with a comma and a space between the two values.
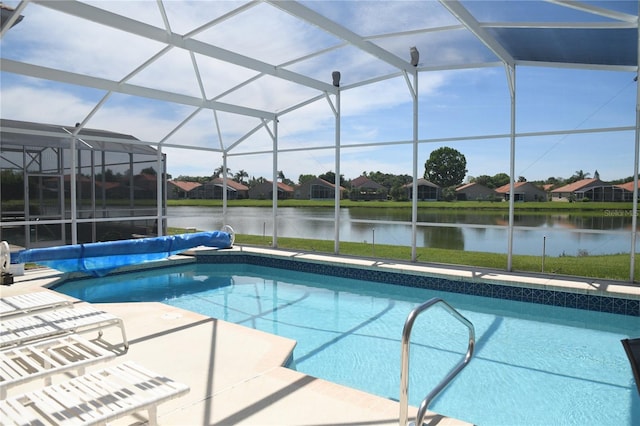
[116, 186]
[282, 85]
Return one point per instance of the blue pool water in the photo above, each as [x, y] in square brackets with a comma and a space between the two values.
[533, 365]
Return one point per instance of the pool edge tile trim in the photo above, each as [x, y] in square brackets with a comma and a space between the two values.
[547, 291]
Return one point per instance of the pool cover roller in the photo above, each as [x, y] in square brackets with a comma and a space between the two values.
[99, 259]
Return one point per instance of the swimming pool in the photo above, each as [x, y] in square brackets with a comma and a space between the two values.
[534, 364]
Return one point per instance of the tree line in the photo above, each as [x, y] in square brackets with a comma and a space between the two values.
[445, 167]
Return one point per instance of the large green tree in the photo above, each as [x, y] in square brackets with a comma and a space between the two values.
[445, 167]
[302, 179]
[388, 180]
[495, 181]
[500, 179]
[483, 180]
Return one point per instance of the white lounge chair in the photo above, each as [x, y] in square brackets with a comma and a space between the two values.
[93, 398]
[81, 319]
[24, 304]
[44, 359]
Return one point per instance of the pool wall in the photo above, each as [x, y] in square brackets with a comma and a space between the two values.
[518, 291]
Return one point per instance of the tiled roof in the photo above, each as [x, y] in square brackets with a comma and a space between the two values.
[422, 182]
[145, 176]
[471, 185]
[505, 188]
[576, 186]
[360, 180]
[231, 184]
[107, 185]
[285, 187]
[185, 186]
[465, 186]
[281, 185]
[326, 183]
[363, 181]
[628, 186]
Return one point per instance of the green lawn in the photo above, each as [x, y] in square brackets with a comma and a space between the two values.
[615, 267]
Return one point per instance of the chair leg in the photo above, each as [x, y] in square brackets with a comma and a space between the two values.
[153, 415]
[124, 337]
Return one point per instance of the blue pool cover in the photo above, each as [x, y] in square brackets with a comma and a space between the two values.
[99, 259]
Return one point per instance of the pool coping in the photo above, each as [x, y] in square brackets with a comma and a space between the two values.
[563, 291]
[584, 293]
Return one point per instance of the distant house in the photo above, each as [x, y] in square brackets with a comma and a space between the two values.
[427, 191]
[316, 189]
[145, 185]
[475, 191]
[177, 189]
[83, 186]
[592, 190]
[363, 188]
[523, 191]
[627, 191]
[110, 189]
[235, 190]
[264, 191]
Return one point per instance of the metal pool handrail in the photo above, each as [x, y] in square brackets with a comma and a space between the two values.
[404, 368]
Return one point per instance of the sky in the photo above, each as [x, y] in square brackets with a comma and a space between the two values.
[452, 104]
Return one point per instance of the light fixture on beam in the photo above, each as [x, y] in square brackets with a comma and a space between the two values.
[415, 56]
[336, 78]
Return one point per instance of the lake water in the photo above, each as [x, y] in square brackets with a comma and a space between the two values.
[471, 231]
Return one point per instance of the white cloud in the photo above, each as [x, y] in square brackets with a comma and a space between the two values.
[28, 103]
[53, 39]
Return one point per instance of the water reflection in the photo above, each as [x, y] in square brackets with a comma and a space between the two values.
[564, 233]
[451, 238]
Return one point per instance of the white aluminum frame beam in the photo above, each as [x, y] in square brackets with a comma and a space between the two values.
[636, 170]
[76, 79]
[322, 22]
[138, 28]
[467, 19]
[606, 13]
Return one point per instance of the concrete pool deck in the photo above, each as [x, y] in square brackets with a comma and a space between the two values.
[236, 374]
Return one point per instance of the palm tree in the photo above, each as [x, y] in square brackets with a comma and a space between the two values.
[218, 172]
[284, 179]
[579, 175]
[240, 175]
